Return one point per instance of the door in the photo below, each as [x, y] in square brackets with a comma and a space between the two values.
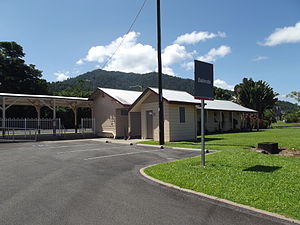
[149, 124]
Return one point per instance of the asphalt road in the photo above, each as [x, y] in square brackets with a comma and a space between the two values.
[89, 182]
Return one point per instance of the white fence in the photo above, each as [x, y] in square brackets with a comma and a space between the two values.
[30, 128]
[32, 123]
[87, 125]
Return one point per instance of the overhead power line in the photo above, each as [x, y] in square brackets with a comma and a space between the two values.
[130, 28]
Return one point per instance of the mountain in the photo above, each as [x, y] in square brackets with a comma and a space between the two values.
[287, 107]
[119, 80]
[88, 82]
[131, 81]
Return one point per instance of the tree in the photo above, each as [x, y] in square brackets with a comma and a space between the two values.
[223, 94]
[256, 95]
[15, 75]
[295, 95]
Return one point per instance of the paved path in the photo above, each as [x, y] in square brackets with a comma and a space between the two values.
[90, 182]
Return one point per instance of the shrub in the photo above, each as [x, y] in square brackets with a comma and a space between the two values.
[292, 117]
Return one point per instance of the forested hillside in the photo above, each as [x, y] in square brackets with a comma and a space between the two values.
[287, 107]
[127, 81]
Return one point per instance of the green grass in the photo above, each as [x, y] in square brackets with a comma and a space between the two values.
[282, 124]
[226, 176]
[286, 137]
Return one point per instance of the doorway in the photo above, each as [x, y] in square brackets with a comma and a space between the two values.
[149, 124]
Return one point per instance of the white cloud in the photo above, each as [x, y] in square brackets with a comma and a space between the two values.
[215, 53]
[80, 62]
[130, 57]
[260, 58]
[222, 84]
[283, 97]
[174, 53]
[168, 70]
[188, 65]
[135, 57]
[195, 37]
[284, 35]
[61, 76]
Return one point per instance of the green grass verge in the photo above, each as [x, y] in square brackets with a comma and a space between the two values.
[268, 182]
[225, 176]
[282, 124]
[286, 137]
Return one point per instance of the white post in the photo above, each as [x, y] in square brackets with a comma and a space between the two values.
[38, 110]
[25, 126]
[59, 127]
[75, 118]
[202, 133]
[54, 117]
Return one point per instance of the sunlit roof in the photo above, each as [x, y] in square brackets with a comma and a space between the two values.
[123, 96]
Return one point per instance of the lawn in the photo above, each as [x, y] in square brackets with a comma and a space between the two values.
[286, 137]
[282, 124]
[268, 182]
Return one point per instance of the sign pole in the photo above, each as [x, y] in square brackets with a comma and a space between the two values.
[204, 78]
[202, 133]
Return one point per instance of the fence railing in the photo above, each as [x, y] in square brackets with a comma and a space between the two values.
[87, 125]
[31, 123]
[28, 127]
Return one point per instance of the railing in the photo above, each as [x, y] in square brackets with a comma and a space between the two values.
[28, 126]
[87, 125]
[31, 128]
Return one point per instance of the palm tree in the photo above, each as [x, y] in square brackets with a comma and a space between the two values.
[256, 95]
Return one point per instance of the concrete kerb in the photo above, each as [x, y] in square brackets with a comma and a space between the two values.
[277, 216]
[176, 148]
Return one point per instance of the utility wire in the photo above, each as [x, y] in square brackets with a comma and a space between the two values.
[132, 24]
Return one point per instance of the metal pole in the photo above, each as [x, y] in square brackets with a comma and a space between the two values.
[160, 96]
[202, 133]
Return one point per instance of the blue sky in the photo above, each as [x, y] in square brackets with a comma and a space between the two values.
[258, 39]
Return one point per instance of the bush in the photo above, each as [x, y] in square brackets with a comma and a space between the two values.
[264, 124]
[292, 117]
[270, 115]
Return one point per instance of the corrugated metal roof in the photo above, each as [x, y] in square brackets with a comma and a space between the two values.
[123, 96]
[177, 96]
[42, 96]
[182, 96]
[227, 106]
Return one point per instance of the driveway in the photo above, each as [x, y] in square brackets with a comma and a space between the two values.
[87, 182]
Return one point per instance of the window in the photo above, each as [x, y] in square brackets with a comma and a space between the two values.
[181, 114]
[124, 112]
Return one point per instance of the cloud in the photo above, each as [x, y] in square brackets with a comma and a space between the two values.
[175, 53]
[283, 97]
[61, 76]
[80, 62]
[211, 56]
[135, 57]
[222, 84]
[195, 37]
[283, 35]
[215, 53]
[188, 65]
[260, 58]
